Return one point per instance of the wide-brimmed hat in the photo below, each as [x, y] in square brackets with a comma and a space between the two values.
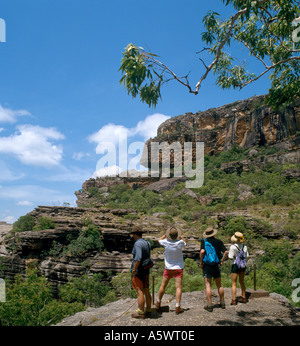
[238, 237]
[209, 232]
[136, 230]
[173, 233]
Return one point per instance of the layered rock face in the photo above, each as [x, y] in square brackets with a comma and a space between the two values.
[244, 124]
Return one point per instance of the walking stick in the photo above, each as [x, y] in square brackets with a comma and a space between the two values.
[153, 289]
[254, 277]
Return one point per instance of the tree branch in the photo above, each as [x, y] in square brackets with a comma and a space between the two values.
[269, 69]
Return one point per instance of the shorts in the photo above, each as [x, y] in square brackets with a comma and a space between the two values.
[213, 271]
[140, 281]
[235, 269]
[173, 273]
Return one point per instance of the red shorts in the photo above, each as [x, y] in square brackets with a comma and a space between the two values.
[173, 273]
[140, 282]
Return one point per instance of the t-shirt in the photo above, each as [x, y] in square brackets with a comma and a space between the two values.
[217, 244]
[235, 249]
[141, 251]
[173, 253]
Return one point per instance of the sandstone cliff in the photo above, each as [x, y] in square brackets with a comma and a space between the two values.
[244, 124]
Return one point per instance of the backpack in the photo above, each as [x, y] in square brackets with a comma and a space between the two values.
[210, 257]
[241, 258]
[146, 263]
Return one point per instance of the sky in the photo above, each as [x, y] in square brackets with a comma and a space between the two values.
[60, 95]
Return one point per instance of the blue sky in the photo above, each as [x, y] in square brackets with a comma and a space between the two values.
[60, 92]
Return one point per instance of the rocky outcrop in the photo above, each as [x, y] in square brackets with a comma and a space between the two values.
[244, 124]
[23, 249]
[274, 310]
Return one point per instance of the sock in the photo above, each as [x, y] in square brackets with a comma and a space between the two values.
[177, 305]
[140, 312]
[158, 300]
[148, 309]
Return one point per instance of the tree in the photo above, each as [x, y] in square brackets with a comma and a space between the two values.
[265, 27]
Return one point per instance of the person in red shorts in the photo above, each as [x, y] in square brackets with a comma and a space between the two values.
[173, 244]
[140, 276]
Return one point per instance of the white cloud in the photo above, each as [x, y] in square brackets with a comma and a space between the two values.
[107, 171]
[9, 219]
[25, 203]
[113, 133]
[148, 127]
[31, 145]
[109, 133]
[111, 137]
[79, 156]
[10, 116]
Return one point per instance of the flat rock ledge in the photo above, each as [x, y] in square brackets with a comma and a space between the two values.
[274, 310]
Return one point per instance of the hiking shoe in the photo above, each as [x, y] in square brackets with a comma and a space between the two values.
[242, 300]
[233, 302]
[209, 307]
[222, 303]
[139, 316]
[178, 310]
[148, 314]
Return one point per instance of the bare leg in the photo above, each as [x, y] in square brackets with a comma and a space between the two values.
[148, 298]
[178, 282]
[220, 288]
[242, 283]
[234, 281]
[162, 288]
[208, 289]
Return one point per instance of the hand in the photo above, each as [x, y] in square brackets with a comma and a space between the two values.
[201, 265]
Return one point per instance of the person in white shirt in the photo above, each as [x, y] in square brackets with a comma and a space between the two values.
[174, 264]
[236, 271]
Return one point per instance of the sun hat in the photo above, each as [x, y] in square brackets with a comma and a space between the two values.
[173, 233]
[136, 230]
[238, 237]
[209, 232]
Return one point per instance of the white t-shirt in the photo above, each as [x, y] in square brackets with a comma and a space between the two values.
[235, 249]
[173, 253]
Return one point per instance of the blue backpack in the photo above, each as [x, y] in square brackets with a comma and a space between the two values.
[210, 257]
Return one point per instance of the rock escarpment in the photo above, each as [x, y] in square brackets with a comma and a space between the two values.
[243, 124]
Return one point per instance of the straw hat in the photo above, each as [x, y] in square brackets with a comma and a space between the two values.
[137, 230]
[173, 234]
[209, 232]
[238, 237]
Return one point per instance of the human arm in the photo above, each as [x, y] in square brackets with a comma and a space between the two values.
[183, 240]
[224, 258]
[135, 267]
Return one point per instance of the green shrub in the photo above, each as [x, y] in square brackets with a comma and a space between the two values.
[29, 302]
[90, 291]
[44, 223]
[24, 223]
[88, 240]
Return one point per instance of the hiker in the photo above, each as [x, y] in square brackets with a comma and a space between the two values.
[210, 261]
[140, 276]
[173, 244]
[238, 254]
